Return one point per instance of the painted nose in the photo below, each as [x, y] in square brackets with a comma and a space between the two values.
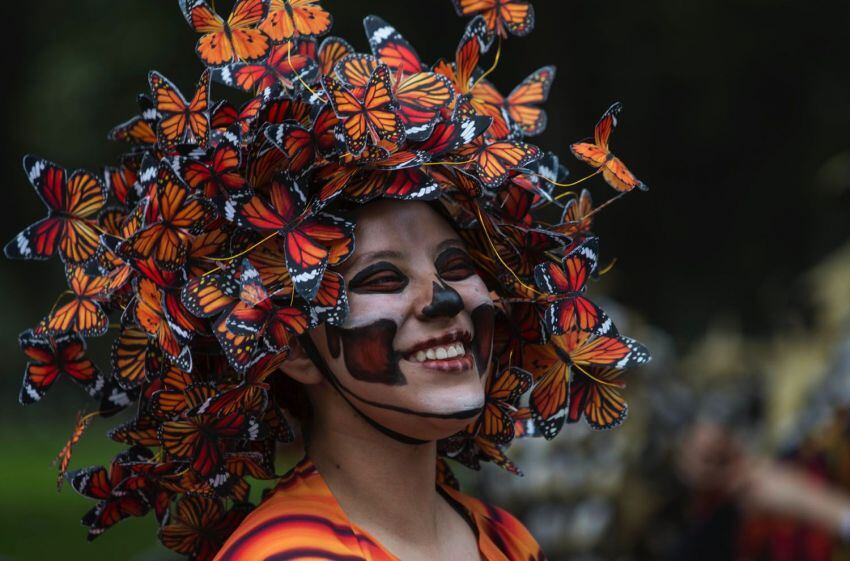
[445, 302]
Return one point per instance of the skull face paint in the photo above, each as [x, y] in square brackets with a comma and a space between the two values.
[412, 353]
[369, 354]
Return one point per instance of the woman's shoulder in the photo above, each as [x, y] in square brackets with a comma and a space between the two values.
[299, 519]
[502, 529]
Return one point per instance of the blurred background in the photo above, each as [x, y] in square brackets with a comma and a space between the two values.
[734, 268]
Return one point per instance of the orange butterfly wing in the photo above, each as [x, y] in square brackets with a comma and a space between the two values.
[236, 40]
[289, 18]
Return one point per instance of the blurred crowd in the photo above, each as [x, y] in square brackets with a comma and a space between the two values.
[737, 450]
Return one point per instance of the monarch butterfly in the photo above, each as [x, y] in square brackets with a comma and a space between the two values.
[493, 161]
[549, 397]
[284, 65]
[51, 357]
[307, 237]
[252, 390]
[565, 284]
[502, 392]
[226, 116]
[597, 154]
[182, 121]
[405, 184]
[255, 313]
[200, 526]
[391, 48]
[300, 145]
[576, 218]
[177, 216]
[176, 403]
[135, 359]
[526, 246]
[597, 399]
[139, 129]
[114, 504]
[331, 51]
[141, 431]
[372, 118]
[331, 302]
[201, 440]
[171, 331]
[420, 96]
[217, 174]
[521, 105]
[293, 18]
[473, 42]
[234, 40]
[72, 204]
[449, 135]
[206, 296]
[121, 181]
[83, 314]
[501, 16]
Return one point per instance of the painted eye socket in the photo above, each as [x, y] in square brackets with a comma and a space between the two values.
[378, 278]
[454, 265]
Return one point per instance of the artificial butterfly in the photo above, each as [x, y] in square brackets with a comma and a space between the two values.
[202, 439]
[420, 96]
[176, 216]
[294, 18]
[371, 118]
[501, 16]
[83, 314]
[256, 314]
[72, 204]
[114, 503]
[496, 422]
[597, 154]
[285, 65]
[493, 160]
[51, 357]
[596, 397]
[234, 40]
[579, 350]
[200, 526]
[565, 284]
[520, 106]
[181, 121]
[308, 238]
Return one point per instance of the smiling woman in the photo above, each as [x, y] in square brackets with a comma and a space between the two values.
[222, 253]
[406, 369]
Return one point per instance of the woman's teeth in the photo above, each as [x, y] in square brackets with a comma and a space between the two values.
[442, 352]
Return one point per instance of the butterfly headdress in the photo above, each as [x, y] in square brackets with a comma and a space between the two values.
[212, 245]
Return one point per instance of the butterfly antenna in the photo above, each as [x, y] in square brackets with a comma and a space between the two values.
[298, 74]
[493, 66]
[244, 251]
[594, 378]
[606, 203]
[608, 267]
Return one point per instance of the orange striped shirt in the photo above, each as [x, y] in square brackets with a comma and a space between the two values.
[302, 520]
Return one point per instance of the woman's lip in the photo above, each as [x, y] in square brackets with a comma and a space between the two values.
[460, 335]
[456, 364]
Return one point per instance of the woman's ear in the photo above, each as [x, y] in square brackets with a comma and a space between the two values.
[299, 367]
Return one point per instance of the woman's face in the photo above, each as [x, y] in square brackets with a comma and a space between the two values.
[414, 350]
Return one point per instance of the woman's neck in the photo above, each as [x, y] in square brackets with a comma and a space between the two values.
[380, 482]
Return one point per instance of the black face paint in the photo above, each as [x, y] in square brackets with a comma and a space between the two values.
[445, 302]
[482, 343]
[313, 354]
[369, 353]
